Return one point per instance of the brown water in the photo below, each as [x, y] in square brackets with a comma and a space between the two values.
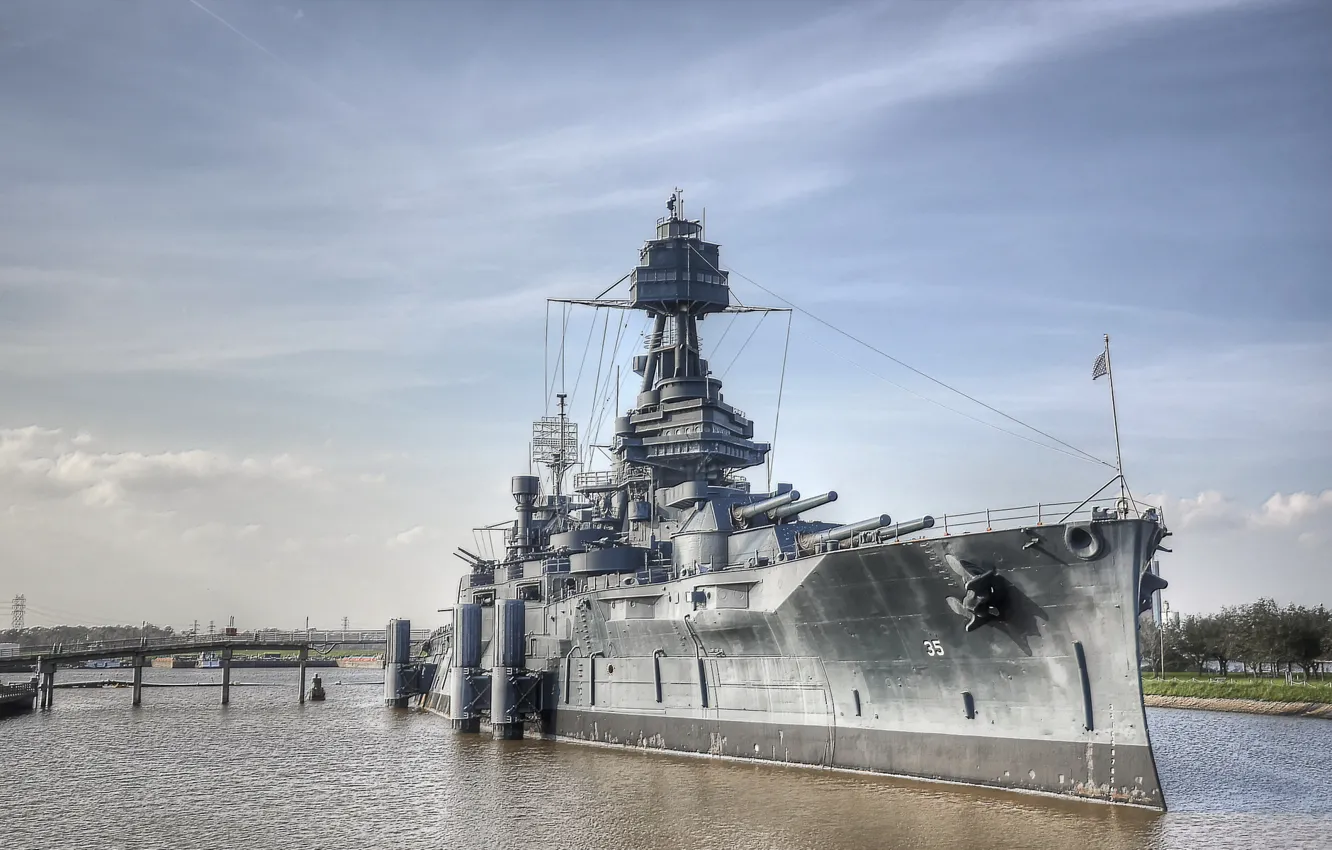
[266, 772]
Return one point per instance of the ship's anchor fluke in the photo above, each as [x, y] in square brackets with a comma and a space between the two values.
[986, 592]
[1149, 583]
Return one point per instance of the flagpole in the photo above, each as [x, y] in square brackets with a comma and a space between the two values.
[1114, 412]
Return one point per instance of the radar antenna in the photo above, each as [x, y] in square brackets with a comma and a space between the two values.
[555, 444]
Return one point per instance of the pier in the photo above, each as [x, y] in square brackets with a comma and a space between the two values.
[17, 698]
[44, 661]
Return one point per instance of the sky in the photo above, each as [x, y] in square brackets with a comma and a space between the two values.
[273, 276]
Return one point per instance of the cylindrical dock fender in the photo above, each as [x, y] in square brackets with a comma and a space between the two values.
[467, 635]
[461, 698]
[505, 721]
[510, 634]
[397, 652]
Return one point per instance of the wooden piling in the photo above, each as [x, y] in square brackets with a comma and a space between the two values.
[304, 656]
[41, 684]
[138, 679]
[226, 675]
[50, 684]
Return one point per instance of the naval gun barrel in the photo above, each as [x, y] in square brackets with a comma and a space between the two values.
[803, 505]
[844, 532]
[748, 512]
[907, 528]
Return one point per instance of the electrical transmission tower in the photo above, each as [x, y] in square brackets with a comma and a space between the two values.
[18, 609]
[344, 624]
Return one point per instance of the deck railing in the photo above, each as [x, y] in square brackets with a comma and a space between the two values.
[1040, 513]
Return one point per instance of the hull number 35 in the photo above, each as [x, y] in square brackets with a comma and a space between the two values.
[933, 648]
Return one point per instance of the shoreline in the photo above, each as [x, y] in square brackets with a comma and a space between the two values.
[1241, 706]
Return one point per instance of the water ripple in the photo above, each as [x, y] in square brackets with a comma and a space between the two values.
[266, 772]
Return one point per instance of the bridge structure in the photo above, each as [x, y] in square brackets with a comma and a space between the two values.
[45, 660]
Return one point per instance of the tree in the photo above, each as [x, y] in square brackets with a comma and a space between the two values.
[1221, 636]
[1149, 642]
[1259, 629]
[1190, 641]
[1302, 634]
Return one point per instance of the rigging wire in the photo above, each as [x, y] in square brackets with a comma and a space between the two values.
[744, 345]
[559, 360]
[938, 403]
[596, 385]
[612, 384]
[587, 346]
[605, 291]
[781, 385]
[1079, 452]
[545, 362]
[604, 408]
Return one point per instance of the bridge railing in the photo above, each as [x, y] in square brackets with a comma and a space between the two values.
[188, 642]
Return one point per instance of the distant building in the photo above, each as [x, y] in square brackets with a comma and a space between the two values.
[8, 650]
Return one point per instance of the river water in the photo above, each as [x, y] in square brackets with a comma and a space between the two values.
[267, 772]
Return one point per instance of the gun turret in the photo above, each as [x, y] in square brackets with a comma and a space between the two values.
[843, 532]
[794, 508]
[907, 528]
[744, 513]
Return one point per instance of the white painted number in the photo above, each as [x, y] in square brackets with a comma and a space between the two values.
[933, 648]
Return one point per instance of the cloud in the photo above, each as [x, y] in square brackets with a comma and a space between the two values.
[1287, 510]
[129, 532]
[1211, 509]
[43, 461]
[826, 79]
[408, 537]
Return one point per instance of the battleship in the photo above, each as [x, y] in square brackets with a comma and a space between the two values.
[662, 604]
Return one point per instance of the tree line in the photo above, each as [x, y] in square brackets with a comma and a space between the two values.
[37, 636]
[1263, 637]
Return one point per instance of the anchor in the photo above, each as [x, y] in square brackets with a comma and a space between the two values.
[1147, 585]
[986, 593]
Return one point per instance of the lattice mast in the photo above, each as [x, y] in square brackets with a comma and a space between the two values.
[555, 445]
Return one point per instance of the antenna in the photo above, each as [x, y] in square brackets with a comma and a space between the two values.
[1122, 506]
[555, 443]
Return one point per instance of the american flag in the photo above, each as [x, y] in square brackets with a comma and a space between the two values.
[1099, 368]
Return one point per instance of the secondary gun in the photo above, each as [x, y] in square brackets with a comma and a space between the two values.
[744, 513]
[906, 528]
[778, 514]
[842, 532]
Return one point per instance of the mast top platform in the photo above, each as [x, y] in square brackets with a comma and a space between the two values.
[679, 271]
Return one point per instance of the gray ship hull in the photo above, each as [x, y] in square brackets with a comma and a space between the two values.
[857, 659]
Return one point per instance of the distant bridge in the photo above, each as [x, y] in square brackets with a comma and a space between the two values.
[46, 658]
[263, 639]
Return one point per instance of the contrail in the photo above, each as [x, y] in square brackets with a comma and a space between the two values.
[342, 104]
[224, 23]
